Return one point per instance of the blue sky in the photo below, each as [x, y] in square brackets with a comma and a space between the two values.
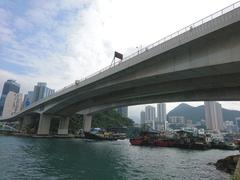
[59, 41]
[32, 33]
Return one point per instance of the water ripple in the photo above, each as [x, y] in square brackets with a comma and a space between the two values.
[26, 158]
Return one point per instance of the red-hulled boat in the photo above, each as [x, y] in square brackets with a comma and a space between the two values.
[145, 138]
[138, 141]
[164, 142]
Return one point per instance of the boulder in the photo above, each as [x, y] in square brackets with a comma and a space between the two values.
[228, 164]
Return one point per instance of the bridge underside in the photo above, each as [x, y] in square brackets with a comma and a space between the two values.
[156, 93]
[206, 68]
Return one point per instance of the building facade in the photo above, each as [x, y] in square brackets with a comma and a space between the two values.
[150, 116]
[41, 91]
[9, 85]
[237, 122]
[28, 99]
[161, 116]
[142, 117]
[213, 115]
[12, 105]
[176, 119]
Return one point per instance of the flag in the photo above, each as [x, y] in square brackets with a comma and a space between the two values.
[118, 55]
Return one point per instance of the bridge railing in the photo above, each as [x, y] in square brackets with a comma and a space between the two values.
[142, 50]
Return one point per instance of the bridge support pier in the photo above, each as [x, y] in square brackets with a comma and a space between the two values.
[44, 124]
[87, 122]
[63, 126]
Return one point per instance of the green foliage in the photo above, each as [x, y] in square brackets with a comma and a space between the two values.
[105, 119]
[110, 118]
[75, 123]
[133, 132]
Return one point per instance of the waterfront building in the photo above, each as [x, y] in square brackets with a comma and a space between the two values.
[150, 116]
[229, 126]
[237, 121]
[213, 115]
[161, 116]
[188, 122]
[41, 91]
[123, 111]
[9, 85]
[12, 104]
[28, 99]
[142, 117]
[176, 119]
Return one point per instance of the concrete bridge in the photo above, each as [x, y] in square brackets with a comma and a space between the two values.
[199, 62]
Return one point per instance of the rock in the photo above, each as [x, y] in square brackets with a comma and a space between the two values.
[211, 164]
[228, 164]
[236, 175]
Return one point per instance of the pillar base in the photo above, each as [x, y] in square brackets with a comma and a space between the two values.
[63, 126]
[87, 122]
[44, 125]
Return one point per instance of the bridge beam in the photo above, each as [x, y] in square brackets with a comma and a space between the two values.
[87, 122]
[44, 124]
[63, 126]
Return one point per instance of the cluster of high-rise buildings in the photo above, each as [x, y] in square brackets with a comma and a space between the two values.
[158, 120]
[213, 116]
[150, 118]
[12, 101]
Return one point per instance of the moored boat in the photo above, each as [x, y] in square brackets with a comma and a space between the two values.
[164, 142]
[138, 141]
[99, 134]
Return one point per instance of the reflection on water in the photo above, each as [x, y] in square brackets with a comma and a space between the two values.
[32, 158]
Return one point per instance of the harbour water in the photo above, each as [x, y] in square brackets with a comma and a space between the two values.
[42, 158]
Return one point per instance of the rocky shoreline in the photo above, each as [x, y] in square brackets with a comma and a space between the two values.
[228, 164]
[231, 165]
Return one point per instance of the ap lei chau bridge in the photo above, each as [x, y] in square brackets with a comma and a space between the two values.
[198, 63]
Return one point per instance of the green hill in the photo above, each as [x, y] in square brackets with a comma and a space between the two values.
[197, 113]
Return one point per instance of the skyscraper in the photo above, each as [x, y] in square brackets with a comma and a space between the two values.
[142, 117]
[123, 111]
[9, 85]
[237, 122]
[161, 116]
[12, 105]
[41, 91]
[213, 115]
[150, 118]
[28, 99]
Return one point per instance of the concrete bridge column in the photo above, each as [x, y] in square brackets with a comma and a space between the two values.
[44, 124]
[63, 126]
[87, 122]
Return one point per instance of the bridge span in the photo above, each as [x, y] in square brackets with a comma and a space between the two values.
[199, 62]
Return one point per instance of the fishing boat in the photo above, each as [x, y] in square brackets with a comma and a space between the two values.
[99, 134]
[164, 142]
[137, 141]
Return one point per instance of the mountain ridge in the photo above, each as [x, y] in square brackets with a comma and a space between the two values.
[196, 114]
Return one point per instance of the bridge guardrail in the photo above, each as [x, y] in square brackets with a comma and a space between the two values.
[146, 48]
